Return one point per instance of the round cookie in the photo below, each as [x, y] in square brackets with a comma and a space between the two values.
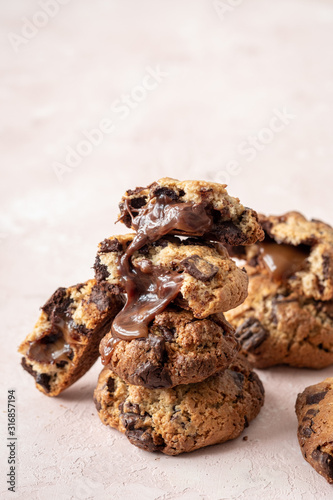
[285, 319]
[211, 281]
[179, 349]
[314, 410]
[185, 418]
[191, 208]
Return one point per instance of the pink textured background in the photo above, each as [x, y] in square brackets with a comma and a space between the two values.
[226, 76]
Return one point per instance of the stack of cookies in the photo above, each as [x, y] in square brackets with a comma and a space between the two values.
[173, 380]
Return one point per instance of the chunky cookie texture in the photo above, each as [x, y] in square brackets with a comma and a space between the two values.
[314, 410]
[185, 418]
[288, 315]
[297, 251]
[65, 341]
[276, 325]
[190, 208]
[211, 281]
[179, 349]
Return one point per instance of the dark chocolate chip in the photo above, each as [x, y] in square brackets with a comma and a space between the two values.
[43, 379]
[152, 377]
[101, 270]
[143, 439]
[238, 378]
[199, 268]
[251, 334]
[325, 461]
[312, 412]
[246, 422]
[110, 245]
[306, 431]
[100, 296]
[312, 399]
[58, 304]
[137, 203]
[28, 367]
[110, 385]
[168, 333]
[164, 191]
[226, 232]
[61, 364]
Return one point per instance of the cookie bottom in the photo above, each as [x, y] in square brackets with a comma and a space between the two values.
[186, 417]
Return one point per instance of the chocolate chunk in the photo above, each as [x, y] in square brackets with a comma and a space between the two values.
[129, 420]
[99, 296]
[325, 461]
[137, 203]
[312, 412]
[160, 190]
[226, 232]
[61, 364]
[168, 333]
[199, 268]
[143, 439]
[238, 378]
[306, 431]
[251, 334]
[43, 379]
[110, 246]
[153, 377]
[312, 399]
[28, 367]
[110, 385]
[101, 270]
[58, 303]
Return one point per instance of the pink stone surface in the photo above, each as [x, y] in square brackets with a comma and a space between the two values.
[226, 78]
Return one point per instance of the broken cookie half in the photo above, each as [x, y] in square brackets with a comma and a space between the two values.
[189, 208]
[65, 341]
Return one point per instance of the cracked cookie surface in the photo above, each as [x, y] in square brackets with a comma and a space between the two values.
[186, 417]
[179, 349]
[314, 410]
[216, 215]
[211, 281]
[65, 340]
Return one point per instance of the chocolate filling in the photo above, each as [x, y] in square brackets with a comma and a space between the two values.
[150, 289]
[282, 260]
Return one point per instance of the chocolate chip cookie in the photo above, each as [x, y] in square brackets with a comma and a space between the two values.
[288, 315]
[314, 410]
[210, 281]
[189, 208]
[65, 341]
[179, 349]
[185, 418]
